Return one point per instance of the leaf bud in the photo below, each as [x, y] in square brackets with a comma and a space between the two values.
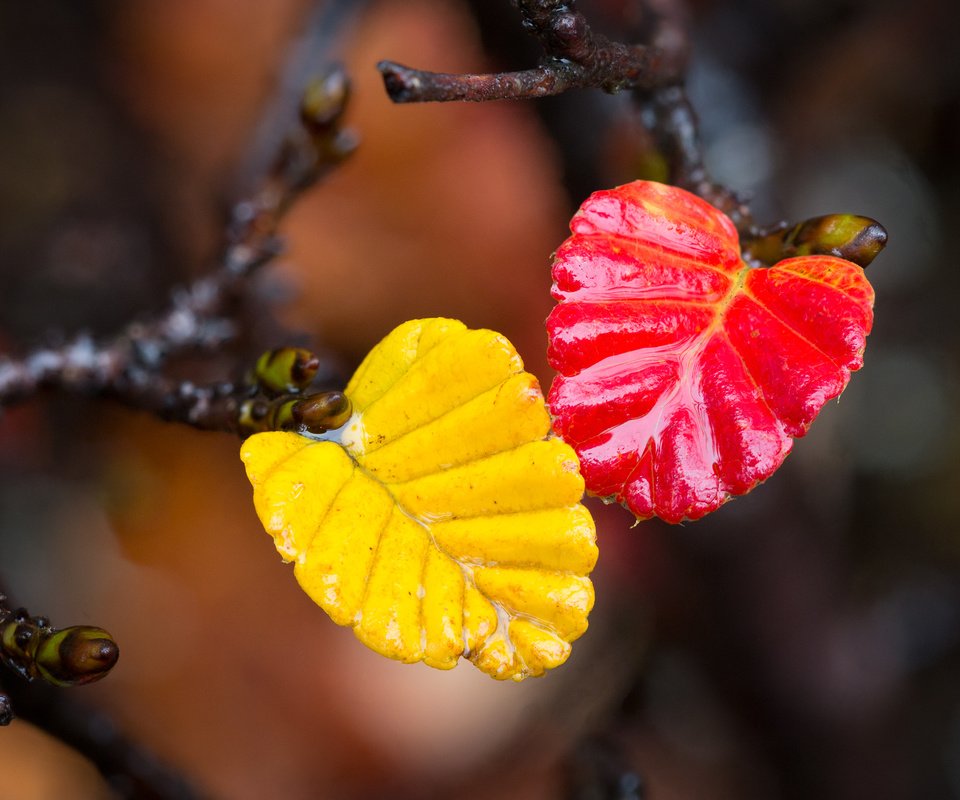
[287, 369]
[854, 238]
[76, 655]
[280, 416]
[18, 643]
[324, 100]
[322, 412]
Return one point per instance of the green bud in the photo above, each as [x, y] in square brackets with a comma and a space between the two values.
[324, 100]
[75, 656]
[287, 369]
[19, 639]
[315, 413]
[280, 416]
[252, 416]
[322, 412]
[857, 239]
[68, 657]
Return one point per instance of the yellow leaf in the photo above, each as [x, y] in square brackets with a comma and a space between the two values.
[441, 520]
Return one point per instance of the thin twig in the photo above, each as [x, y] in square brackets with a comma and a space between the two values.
[669, 116]
[128, 366]
[575, 57]
[321, 41]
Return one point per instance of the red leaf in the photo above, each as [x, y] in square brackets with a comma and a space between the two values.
[683, 371]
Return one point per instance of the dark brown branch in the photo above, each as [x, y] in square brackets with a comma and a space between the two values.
[325, 36]
[214, 407]
[128, 366]
[87, 366]
[407, 85]
[6, 710]
[574, 58]
[670, 118]
[577, 57]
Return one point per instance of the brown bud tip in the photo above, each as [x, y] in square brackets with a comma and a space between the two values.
[77, 655]
[867, 245]
[857, 239]
[304, 368]
[322, 412]
[286, 369]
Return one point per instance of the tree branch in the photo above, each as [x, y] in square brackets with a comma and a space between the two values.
[128, 366]
[575, 57]
[668, 114]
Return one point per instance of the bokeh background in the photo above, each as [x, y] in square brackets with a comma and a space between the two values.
[804, 641]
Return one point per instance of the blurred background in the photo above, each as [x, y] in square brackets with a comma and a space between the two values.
[803, 641]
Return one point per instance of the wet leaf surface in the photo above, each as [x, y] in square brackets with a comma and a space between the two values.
[684, 373]
[439, 521]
